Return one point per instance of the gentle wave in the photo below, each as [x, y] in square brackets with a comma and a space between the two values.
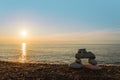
[60, 53]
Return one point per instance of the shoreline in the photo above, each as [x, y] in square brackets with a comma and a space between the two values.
[55, 62]
[46, 71]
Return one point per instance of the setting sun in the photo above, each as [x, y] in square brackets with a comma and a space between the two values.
[24, 34]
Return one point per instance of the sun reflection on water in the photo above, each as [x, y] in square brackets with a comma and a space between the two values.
[23, 55]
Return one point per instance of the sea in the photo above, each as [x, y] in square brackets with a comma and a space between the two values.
[57, 53]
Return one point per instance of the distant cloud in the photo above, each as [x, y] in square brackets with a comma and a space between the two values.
[82, 36]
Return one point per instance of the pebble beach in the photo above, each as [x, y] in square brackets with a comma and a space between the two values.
[46, 71]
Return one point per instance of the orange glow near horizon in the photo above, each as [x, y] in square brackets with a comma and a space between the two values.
[76, 37]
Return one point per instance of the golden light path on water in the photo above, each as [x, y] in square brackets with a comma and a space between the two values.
[23, 55]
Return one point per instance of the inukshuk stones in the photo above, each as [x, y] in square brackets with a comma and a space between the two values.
[82, 53]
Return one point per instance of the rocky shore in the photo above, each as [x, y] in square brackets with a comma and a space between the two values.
[45, 71]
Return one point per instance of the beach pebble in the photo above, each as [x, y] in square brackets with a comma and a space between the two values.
[92, 61]
[93, 67]
[76, 65]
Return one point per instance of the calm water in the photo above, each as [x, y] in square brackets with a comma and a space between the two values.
[61, 53]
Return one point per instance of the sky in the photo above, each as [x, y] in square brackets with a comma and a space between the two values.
[87, 21]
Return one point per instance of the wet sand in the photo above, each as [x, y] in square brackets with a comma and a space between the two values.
[44, 71]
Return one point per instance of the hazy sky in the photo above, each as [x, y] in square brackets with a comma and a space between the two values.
[61, 20]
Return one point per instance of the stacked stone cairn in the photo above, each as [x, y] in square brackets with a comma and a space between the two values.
[82, 53]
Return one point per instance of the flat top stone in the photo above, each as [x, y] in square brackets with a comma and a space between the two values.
[85, 55]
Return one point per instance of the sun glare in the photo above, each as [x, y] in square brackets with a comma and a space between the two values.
[24, 53]
[24, 34]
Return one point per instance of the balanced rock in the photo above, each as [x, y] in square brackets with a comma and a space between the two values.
[92, 61]
[82, 51]
[78, 61]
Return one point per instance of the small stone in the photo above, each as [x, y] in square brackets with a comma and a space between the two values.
[92, 61]
[78, 61]
[82, 51]
[76, 65]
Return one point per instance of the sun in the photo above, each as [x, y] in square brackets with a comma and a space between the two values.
[24, 33]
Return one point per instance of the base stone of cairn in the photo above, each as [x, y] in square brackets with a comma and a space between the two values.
[76, 65]
[82, 53]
